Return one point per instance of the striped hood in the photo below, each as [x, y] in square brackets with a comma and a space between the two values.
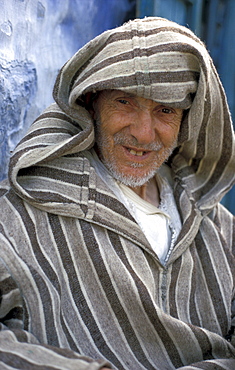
[153, 58]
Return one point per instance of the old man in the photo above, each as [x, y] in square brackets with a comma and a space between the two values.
[115, 250]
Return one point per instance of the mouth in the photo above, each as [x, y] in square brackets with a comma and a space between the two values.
[136, 152]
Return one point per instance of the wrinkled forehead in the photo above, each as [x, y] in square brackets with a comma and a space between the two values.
[161, 65]
[169, 77]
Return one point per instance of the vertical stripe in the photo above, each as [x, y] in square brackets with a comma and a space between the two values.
[112, 296]
[76, 290]
[148, 305]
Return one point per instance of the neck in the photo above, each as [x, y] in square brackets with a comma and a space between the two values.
[149, 192]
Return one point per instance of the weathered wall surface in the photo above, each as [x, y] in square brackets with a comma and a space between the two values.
[36, 39]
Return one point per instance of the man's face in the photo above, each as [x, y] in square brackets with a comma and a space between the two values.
[134, 135]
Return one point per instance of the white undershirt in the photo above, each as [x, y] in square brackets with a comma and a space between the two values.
[153, 222]
[161, 225]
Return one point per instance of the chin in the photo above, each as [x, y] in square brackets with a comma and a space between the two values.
[133, 179]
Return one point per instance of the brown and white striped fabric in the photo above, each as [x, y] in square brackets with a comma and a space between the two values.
[80, 283]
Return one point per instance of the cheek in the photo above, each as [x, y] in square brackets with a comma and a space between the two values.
[113, 123]
[168, 133]
[168, 136]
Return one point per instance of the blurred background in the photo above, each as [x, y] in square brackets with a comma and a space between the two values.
[38, 37]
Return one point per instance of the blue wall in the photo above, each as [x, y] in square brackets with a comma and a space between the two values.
[213, 21]
[36, 39]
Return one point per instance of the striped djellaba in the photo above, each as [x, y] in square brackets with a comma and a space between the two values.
[81, 287]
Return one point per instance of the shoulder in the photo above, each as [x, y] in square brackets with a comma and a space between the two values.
[4, 187]
[224, 221]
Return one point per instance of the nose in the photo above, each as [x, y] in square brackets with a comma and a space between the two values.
[143, 128]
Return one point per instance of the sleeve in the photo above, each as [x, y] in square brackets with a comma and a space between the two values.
[215, 364]
[20, 349]
[224, 221]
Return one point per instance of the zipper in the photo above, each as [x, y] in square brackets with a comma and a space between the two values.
[164, 289]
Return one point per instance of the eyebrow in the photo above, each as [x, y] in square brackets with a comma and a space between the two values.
[130, 94]
[127, 94]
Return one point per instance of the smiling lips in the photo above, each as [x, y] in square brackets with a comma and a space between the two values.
[133, 147]
[134, 152]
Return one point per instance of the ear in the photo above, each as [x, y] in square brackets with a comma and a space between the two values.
[89, 103]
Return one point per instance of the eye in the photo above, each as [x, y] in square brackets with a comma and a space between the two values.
[167, 110]
[123, 101]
